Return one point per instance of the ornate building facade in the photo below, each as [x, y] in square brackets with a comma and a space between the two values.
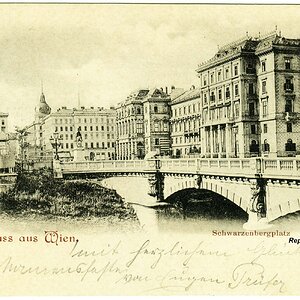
[248, 98]
[143, 124]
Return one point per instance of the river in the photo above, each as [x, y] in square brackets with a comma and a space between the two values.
[202, 215]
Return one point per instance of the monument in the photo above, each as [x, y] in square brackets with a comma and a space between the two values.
[79, 149]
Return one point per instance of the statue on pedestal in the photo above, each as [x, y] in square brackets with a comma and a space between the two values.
[79, 139]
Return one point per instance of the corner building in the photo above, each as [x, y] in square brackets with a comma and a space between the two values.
[249, 93]
[143, 124]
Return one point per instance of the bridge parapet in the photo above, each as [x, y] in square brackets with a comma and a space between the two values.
[104, 166]
[226, 167]
[281, 168]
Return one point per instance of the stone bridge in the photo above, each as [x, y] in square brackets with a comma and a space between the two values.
[265, 188]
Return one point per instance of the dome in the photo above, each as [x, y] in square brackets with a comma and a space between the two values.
[43, 107]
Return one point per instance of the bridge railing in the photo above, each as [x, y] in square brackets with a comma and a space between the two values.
[288, 167]
[220, 166]
[105, 166]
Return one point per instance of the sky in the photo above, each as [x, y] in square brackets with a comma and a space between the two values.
[103, 52]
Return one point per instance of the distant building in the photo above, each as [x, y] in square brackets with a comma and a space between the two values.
[96, 125]
[186, 122]
[249, 93]
[143, 124]
[7, 147]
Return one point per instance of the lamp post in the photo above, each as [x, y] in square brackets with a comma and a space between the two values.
[55, 142]
[235, 131]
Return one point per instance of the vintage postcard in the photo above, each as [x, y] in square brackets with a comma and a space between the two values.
[149, 149]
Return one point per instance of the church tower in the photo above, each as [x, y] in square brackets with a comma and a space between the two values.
[42, 109]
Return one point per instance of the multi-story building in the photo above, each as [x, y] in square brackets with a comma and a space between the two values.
[130, 142]
[278, 89]
[96, 125]
[157, 122]
[185, 122]
[143, 124]
[248, 98]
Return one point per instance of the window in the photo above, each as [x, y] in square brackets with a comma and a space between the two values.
[236, 89]
[212, 96]
[226, 73]
[220, 94]
[289, 127]
[263, 66]
[254, 147]
[103, 145]
[227, 93]
[155, 109]
[265, 128]
[237, 109]
[61, 128]
[251, 89]
[205, 98]
[266, 146]
[219, 75]
[102, 128]
[264, 108]
[253, 129]
[290, 146]
[71, 128]
[264, 86]
[288, 86]
[156, 142]
[97, 128]
[287, 63]
[212, 78]
[288, 105]
[236, 72]
[91, 128]
[251, 109]
[85, 128]
[204, 81]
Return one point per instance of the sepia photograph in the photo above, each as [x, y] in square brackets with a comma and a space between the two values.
[149, 149]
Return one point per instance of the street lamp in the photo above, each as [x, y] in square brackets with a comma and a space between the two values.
[55, 142]
[235, 131]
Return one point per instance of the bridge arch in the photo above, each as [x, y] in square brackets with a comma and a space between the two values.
[206, 203]
[230, 189]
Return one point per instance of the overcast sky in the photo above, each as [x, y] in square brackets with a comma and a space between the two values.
[106, 51]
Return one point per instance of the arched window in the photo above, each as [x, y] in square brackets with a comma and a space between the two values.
[254, 146]
[266, 146]
[155, 109]
[290, 146]
[138, 110]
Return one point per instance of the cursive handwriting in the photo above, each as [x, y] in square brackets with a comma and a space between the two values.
[253, 274]
[177, 249]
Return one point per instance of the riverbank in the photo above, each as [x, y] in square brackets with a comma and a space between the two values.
[39, 196]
